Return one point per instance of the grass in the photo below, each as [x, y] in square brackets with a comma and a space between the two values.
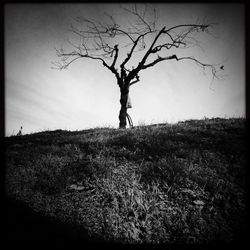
[182, 183]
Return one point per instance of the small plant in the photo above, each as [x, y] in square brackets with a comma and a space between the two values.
[20, 131]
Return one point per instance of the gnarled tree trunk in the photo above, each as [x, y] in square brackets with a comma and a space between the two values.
[124, 90]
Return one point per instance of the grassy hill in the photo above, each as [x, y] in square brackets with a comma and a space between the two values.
[162, 183]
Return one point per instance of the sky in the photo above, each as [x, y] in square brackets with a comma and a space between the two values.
[86, 95]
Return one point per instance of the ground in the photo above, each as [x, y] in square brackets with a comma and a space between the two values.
[164, 183]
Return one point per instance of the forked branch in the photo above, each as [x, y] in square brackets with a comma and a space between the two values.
[97, 39]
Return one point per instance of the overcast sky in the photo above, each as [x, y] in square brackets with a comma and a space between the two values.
[86, 95]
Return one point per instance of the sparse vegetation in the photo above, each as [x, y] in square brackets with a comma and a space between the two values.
[182, 183]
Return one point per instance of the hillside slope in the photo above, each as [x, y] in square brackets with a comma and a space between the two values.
[163, 183]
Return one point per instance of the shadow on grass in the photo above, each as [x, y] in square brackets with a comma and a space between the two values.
[29, 228]
[25, 226]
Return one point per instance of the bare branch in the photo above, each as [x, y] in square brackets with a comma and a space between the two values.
[177, 41]
[134, 72]
[116, 55]
[135, 81]
[159, 59]
[141, 21]
[76, 56]
[204, 65]
[133, 48]
[197, 26]
[64, 64]
[97, 39]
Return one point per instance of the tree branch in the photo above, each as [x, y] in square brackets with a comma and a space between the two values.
[176, 42]
[141, 21]
[135, 81]
[133, 48]
[116, 55]
[204, 65]
[96, 39]
[159, 59]
[65, 65]
[213, 69]
[135, 71]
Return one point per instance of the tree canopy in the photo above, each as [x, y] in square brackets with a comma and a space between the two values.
[107, 42]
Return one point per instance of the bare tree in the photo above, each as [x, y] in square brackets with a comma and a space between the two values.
[115, 45]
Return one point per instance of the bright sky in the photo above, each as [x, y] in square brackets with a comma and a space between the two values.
[86, 95]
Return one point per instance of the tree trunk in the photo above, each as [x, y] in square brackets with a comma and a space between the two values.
[123, 111]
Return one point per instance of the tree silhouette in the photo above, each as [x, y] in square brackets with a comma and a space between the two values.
[115, 45]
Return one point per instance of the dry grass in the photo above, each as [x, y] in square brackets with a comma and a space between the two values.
[182, 183]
